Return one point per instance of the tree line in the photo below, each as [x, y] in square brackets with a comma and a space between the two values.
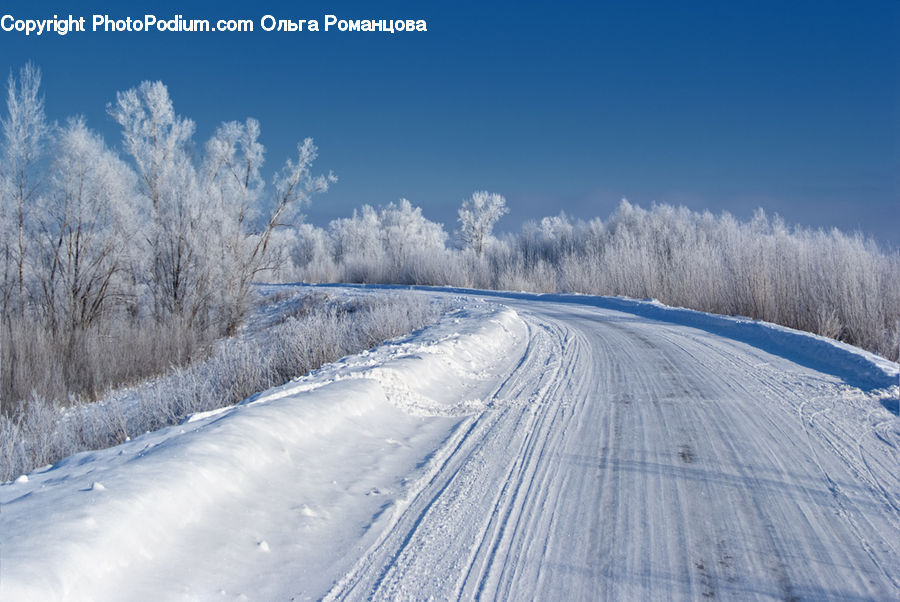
[115, 266]
[830, 283]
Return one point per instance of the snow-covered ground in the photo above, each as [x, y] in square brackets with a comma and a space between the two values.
[525, 447]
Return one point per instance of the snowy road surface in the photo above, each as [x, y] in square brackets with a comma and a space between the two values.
[521, 449]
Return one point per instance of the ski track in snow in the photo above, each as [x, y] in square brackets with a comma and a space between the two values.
[557, 451]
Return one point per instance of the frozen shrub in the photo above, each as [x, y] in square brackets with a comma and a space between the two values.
[319, 330]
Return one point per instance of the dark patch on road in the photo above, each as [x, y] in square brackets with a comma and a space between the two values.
[706, 580]
[784, 582]
[686, 453]
[726, 561]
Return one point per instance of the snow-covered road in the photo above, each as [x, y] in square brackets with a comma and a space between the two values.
[527, 448]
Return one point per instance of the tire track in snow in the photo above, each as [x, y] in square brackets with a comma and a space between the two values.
[530, 470]
[377, 571]
[773, 417]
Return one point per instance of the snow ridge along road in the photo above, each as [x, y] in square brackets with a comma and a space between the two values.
[526, 447]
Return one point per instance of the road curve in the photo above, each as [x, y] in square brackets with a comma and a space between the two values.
[625, 458]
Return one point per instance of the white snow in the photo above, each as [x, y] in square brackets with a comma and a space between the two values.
[525, 447]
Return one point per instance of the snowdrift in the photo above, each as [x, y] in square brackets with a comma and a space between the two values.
[69, 530]
[428, 373]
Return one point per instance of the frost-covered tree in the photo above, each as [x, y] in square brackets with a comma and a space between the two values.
[394, 243]
[231, 171]
[357, 244]
[312, 255]
[8, 247]
[88, 223]
[293, 188]
[477, 217]
[410, 240]
[157, 139]
[358, 235]
[153, 135]
[406, 231]
[295, 185]
[25, 134]
[232, 181]
[208, 246]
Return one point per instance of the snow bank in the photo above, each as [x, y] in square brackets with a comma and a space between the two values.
[858, 367]
[855, 366]
[70, 530]
[430, 373]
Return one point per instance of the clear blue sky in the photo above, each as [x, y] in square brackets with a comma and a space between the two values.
[791, 106]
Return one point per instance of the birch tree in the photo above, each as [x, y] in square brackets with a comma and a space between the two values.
[477, 217]
[232, 168]
[232, 181]
[157, 139]
[87, 227]
[25, 134]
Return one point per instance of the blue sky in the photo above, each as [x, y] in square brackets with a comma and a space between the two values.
[791, 106]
